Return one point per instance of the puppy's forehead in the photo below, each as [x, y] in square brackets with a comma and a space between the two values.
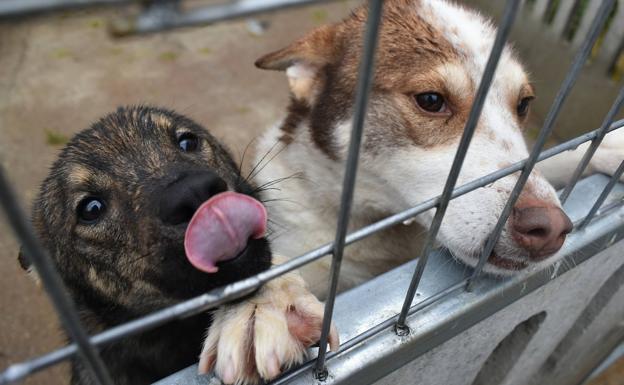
[128, 144]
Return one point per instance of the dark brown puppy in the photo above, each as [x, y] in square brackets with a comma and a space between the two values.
[112, 214]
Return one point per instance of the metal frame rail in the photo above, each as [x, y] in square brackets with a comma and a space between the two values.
[370, 348]
[86, 347]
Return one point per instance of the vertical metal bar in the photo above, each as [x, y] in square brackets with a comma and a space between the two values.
[52, 283]
[563, 93]
[366, 74]
[603, 195]
[509, 16]
[617, 105]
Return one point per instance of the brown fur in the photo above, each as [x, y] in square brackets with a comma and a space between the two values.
[408, 51]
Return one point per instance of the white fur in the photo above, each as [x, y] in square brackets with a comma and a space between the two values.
[606, 160]
[391, 179]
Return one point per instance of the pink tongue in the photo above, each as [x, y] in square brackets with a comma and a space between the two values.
[221, 227]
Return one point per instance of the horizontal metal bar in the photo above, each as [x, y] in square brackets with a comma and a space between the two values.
[456, 311]
[157, 15]
[11, 8]
[182, 310]
[365, 83]
[53, 283]
[603, 196]
[437, 303]
[241, 288]
[615, 108]
[160, 17]
[553, 113]
[360, 338]
[509, 15]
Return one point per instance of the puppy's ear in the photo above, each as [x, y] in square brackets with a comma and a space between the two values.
[27, 265]
[23, 260]
[303, 59]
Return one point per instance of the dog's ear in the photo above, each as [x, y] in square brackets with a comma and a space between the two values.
[27, 265]
[315, 49]
[303, 59]
[23, 260]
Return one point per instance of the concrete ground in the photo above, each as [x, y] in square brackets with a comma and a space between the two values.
[60, 72]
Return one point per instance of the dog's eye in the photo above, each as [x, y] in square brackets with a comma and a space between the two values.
[523, 106]
[90, 209]
[431, 102]
[188, 142]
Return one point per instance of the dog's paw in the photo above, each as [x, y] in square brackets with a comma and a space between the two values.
[609, 155]
[256, 339]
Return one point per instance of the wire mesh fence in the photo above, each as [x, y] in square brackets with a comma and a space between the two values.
[86, 347]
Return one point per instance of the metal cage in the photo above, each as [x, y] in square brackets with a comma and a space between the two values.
[396, 336]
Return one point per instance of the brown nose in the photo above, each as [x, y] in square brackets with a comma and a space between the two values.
[540, 230]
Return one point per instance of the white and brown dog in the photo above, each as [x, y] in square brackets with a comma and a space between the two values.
[430, 58]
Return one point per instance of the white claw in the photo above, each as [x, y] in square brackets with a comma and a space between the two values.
[273, 366]
[228, 374]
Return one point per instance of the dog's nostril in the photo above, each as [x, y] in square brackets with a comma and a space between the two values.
[537, 232]
[180, 200]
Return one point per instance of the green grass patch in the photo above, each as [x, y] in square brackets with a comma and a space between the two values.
[168, 56]
[54, 138]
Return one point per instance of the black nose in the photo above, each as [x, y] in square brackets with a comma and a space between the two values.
[180, 200]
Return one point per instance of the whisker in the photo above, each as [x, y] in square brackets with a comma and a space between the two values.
[266, 189]
[277, 224]
[262, 159]
[254, 174]
[240, 165]
[283, 200]
[126, 263]
[273, 182]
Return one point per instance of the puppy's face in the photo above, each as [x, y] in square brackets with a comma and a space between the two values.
[114, 210]
[430, 58]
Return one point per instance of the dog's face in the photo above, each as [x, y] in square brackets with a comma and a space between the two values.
[114, 210]
[430, 58]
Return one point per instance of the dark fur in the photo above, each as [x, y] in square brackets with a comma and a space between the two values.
[130, 263]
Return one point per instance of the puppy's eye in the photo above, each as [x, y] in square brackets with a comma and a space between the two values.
[188, 142]
[431, 102]
[523, 106]
[90, 209]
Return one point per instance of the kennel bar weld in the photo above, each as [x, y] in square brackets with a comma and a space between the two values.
[365, 83]
[511, 9]
[579, 61]
[206, 301]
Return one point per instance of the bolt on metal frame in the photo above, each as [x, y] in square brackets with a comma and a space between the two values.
[86, 347]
